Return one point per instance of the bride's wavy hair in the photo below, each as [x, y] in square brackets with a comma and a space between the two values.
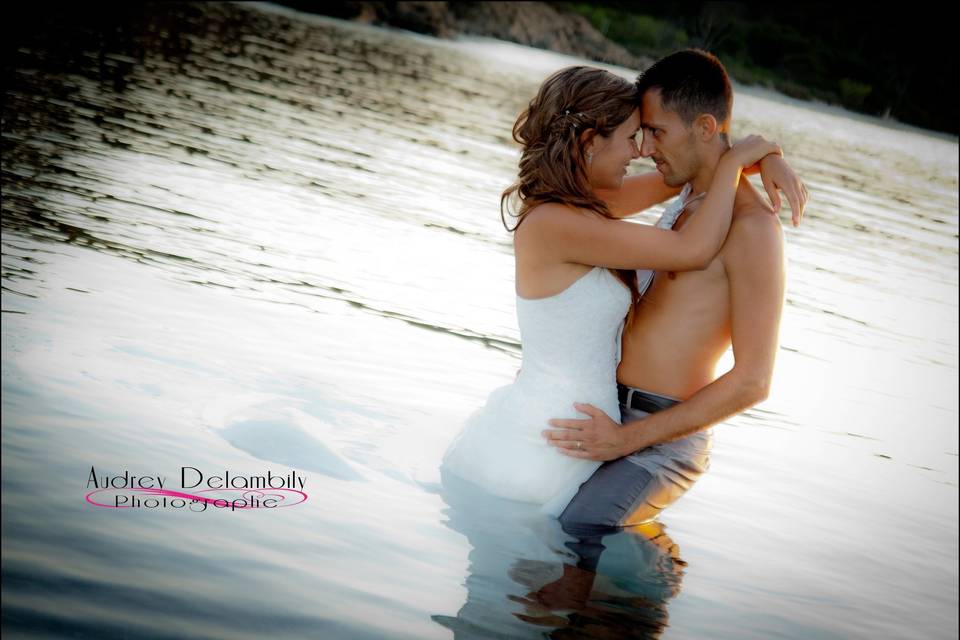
[553, 162]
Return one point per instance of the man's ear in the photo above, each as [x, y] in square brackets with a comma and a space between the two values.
[706, 127]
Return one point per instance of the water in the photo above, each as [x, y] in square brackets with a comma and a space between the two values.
[244, 240]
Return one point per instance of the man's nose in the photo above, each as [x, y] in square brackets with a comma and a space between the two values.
[646, 147]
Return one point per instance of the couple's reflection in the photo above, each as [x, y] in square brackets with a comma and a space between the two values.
[528, 576]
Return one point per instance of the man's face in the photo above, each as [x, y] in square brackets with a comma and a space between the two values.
[668, 141]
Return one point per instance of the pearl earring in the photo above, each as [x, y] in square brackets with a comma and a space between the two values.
[589, 157]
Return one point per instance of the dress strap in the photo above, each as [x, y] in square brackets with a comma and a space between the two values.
[672, 211]
[678, 206]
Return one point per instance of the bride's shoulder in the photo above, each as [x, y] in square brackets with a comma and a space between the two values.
[548, 210]
[548, 216]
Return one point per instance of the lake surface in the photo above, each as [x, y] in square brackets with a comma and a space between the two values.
[241, 239]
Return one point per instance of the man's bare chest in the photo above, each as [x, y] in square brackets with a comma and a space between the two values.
[703, 292]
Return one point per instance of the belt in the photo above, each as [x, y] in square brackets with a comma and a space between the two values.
[643, 400]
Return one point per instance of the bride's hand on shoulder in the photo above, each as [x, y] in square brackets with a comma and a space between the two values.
[751, 150]
[777, 175]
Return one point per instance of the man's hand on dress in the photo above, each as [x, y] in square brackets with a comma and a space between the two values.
[595, 438]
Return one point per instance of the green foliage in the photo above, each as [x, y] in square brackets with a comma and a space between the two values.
[853, 93]
[878, 63]
[639, 34]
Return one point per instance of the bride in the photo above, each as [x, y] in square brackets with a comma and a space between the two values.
[575, 276]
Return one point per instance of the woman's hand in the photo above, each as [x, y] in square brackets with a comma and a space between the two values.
[751, 150]
[776, 175]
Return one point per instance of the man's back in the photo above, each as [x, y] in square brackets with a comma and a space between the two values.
[685, 323]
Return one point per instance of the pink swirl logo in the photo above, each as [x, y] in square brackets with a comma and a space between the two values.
[154, 498]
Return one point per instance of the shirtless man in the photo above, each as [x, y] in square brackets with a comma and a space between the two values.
[686, 321]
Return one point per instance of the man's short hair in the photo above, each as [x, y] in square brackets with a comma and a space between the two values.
[691, 82]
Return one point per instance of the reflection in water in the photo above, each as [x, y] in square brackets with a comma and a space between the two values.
[528, 577]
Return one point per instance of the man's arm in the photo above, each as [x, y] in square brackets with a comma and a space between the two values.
[637, 193]
[753, 259]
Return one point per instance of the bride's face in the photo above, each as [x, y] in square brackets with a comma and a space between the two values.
[612, 154]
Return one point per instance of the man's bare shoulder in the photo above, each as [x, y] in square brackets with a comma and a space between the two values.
[755, 237]
[754, 223]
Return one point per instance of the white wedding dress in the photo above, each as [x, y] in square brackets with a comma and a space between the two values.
[571, 348]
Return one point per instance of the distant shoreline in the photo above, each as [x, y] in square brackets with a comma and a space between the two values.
[536, 24]
[437, 20]
[890, 123]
